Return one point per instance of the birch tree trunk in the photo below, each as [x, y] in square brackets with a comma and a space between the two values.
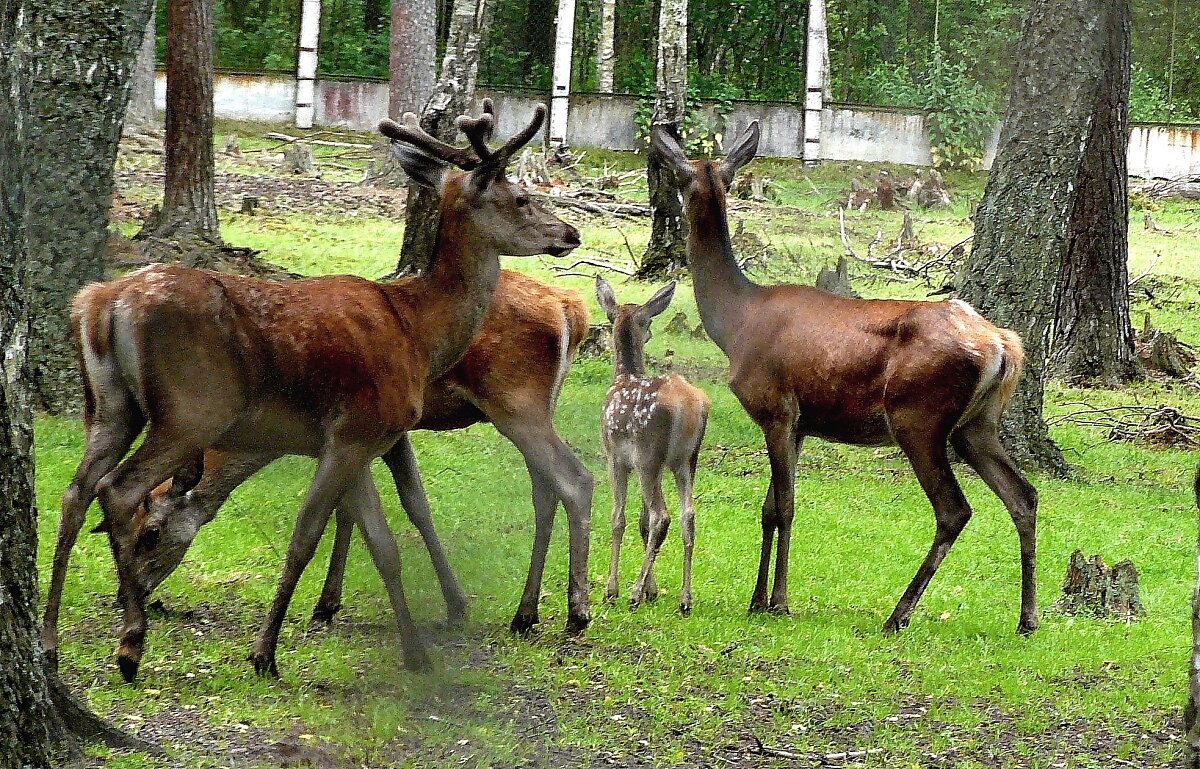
[453, 96]
[77, 93]
[606, 55]
[1024, 225]
[413, 57]
[1093, 334]
[39, 41]
[140, 115]
[666, 251]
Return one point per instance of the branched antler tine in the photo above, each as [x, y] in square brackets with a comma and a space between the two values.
[478, 130]
[412, 133]
[503, 154]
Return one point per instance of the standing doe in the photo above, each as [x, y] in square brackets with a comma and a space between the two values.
[869, 372]
[649, 424]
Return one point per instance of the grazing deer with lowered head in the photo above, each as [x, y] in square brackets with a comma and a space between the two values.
[649, 424]
[510, 376]
[332, 367]
[867, 372]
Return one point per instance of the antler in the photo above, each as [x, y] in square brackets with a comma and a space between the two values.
[505, 153]
[477, 130]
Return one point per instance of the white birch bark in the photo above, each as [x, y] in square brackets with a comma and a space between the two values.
[817, 75]
[606, 52]
[560, 97]
[306, 63]
[671, 70]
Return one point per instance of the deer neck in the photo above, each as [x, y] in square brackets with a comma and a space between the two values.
[722, 289]
[629, 358]
[453, 296]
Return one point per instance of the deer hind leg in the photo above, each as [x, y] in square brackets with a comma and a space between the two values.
[979, 444]
[618, 473]
[554, 470]
[108, 440]
[926, 450]
[402, 461]
[685, 478]
[330, 602]
[658, 520]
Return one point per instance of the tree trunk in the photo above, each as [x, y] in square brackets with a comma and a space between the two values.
[37, 43]
[1093, 334]
[1190, 720]
[78, 88]
[413, 55]
[666, 251]
[605, 49]
[1023, 226]
[186, 228]
[140, 115]
[452, 97]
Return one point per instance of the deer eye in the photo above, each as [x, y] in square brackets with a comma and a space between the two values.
[523, 201]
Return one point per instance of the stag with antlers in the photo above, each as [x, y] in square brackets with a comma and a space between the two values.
[650, 424]
[333, 367]
[868, 372]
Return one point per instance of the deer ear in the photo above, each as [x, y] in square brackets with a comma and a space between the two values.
[423, 169]
[606, 297]
[659, 302]
[664, 148]
[743, 150]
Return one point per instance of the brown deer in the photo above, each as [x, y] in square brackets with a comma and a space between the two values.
[332, 367]
[866, 372]
[649, 424]
[510, 376]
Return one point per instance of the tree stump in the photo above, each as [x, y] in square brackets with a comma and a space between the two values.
[233, 146]
[837, 281]
[598, 341]
[298, 158]
[1094, 589]
[1160, 351]
[678, 324]
[249, 204]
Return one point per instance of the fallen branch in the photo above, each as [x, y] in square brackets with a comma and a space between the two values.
[592, 263]
[629, 210]
[321, 142]
[1164, 425]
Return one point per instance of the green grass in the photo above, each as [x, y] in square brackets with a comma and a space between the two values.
[650, 684]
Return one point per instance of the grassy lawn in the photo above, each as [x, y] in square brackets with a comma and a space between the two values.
[649, 688]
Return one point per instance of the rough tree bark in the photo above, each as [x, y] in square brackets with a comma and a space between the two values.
[1014, 272]
[76, 101]
[185, 228]
[38, 716]
[1093, 334]
[413, 57]
[1190, 720]
[666, 251]
[606, 56]
[140, 115]
[453, 95]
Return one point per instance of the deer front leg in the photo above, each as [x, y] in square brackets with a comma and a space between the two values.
[619, 478]
[337, 468]
[406, 473]
[330, 602]
[545, 505]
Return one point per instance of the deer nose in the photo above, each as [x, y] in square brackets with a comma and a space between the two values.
[571, 236]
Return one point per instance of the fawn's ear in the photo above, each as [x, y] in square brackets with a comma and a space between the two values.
[606, 297]
[741, 152]
[665, 149]
[659, 302]
[423, 169]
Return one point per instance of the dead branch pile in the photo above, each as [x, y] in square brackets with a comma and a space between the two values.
[923, 189]
[1186, 187]
[1157, 425]
[907, 258]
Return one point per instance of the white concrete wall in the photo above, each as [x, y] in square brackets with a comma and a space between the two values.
[850, 133]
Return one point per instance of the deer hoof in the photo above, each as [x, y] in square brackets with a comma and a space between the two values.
[758, 607]
[577, 623]
[417, 661]
[323, 615]
[129, 667]
[685, 609]
[780, 609]
[523, 624]
[456, 616]
[894, 626]
[264, 664]
[1026, 627]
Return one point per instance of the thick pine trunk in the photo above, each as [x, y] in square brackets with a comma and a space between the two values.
[1023, 228]
[452, 97]
[37, 714]
[140, 114]
[413, 59]
[186, 228]
[667, 249]
[1093, 334]
[79, 81]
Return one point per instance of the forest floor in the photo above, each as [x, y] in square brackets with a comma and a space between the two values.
[650, 688]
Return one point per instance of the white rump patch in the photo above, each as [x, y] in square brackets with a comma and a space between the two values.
[960, 304]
